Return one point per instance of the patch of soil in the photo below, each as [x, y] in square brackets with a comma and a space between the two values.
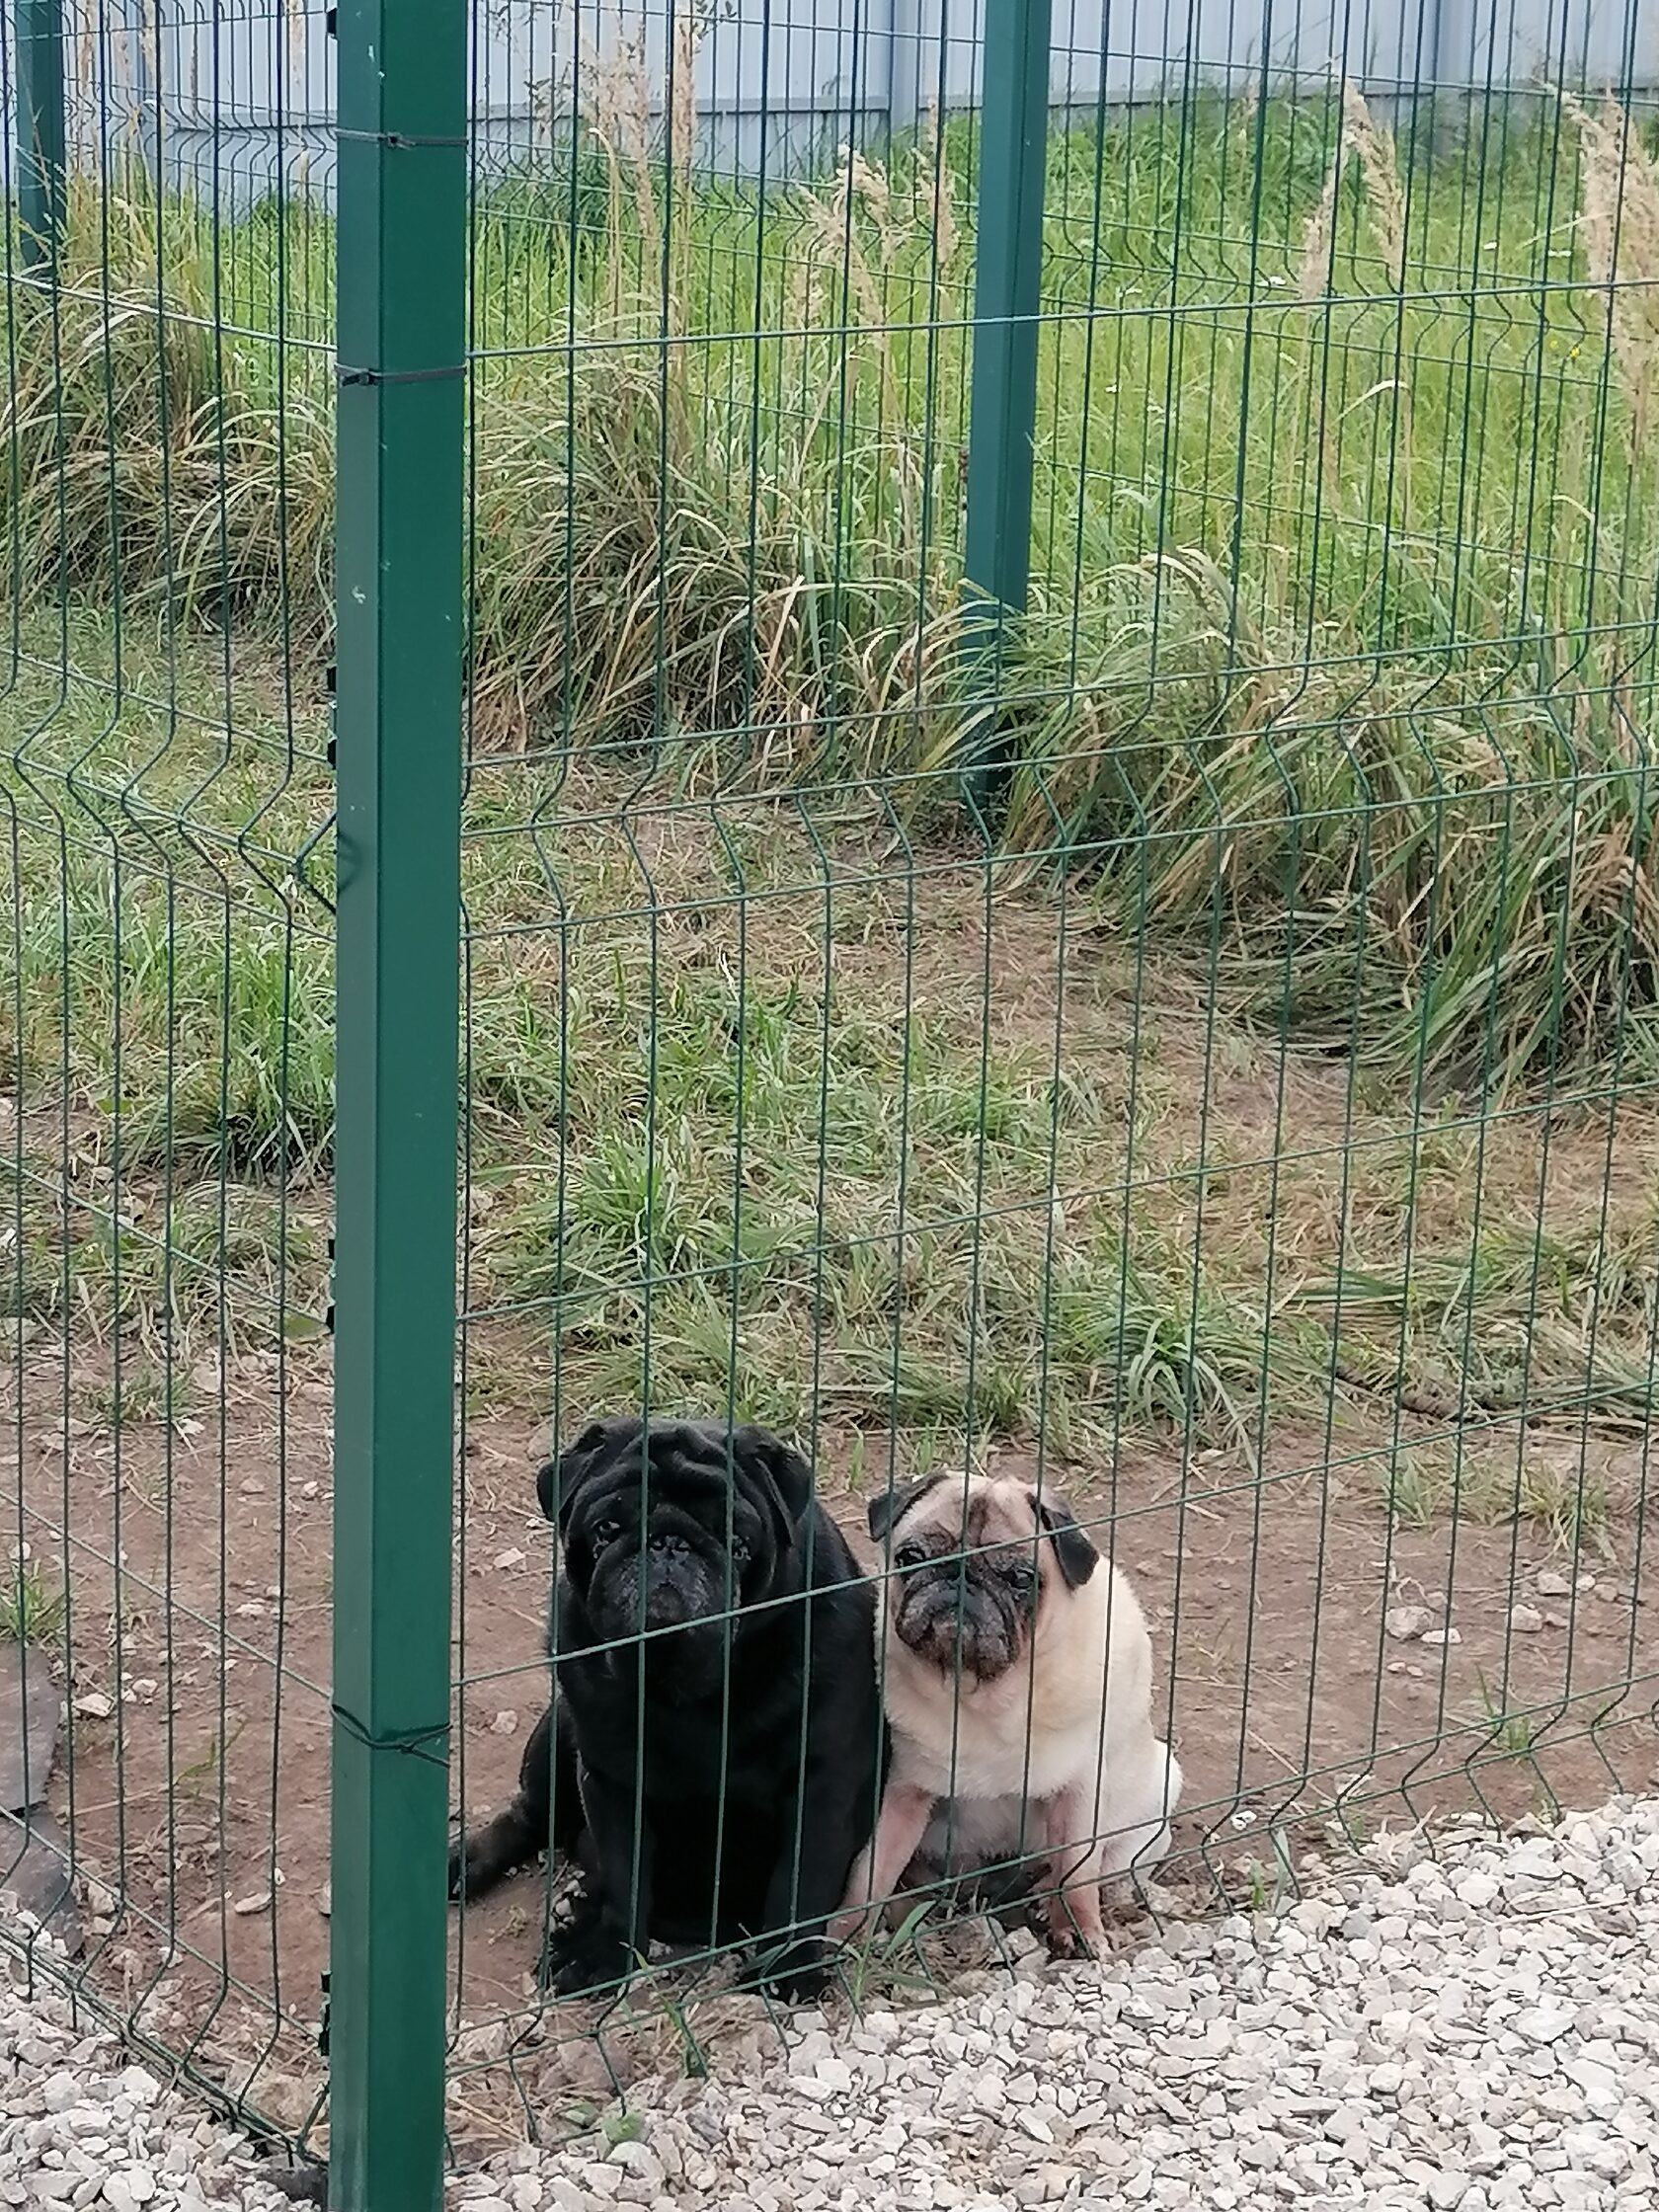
[194, 1779]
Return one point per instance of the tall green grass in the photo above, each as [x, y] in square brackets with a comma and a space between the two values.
[1339, 661]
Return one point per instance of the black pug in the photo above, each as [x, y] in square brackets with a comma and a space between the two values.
[754, 1778]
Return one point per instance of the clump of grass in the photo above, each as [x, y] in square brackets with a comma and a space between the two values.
[147, 1392]
[1569, 1504]
[1150, 1331]
[167, 1273]
[1518, 1317]
[890, 1961]
[1384, 202]
[33, 1607]
[1413, 1491]
[206, 1000]
[157, 455]
[1512, 1735]
[1491, 1482]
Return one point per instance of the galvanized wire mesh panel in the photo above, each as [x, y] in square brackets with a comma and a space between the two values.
[169, 1062]
[1228, 1111]
[1158, 1003]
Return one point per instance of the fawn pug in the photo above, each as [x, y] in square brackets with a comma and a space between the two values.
[1016, 1673]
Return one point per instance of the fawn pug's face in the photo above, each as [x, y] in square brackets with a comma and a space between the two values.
[972, 1567]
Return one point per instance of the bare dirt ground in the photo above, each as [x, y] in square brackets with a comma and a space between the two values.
[194, 1781]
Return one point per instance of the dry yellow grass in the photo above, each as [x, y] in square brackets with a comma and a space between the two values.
[1360, 137]
[1373, 147]
[1618, 216]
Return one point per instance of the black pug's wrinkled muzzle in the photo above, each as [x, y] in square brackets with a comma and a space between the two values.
[969, 1617]
[672, 1589]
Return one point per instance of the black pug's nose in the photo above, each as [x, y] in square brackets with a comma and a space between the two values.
[675, 1590]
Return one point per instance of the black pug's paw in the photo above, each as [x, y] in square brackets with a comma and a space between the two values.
[797, 1972]
[587, 1953]
[478, 1864]
[481, 1858]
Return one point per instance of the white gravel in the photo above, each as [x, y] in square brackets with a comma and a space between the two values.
[1474, 2030]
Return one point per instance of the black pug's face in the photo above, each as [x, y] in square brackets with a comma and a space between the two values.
[672, 1531]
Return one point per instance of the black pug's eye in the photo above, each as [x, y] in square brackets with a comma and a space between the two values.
[603, 1532]
[740, 1551]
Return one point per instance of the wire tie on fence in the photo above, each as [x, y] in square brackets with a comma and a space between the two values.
[399, 1739]
[398, 141]
[347, 375]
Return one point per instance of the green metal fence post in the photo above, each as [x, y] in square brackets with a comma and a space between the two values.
[402, 187]
[1008, 292]
[40, 136]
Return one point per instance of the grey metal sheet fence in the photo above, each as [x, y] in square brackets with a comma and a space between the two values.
[238, 101]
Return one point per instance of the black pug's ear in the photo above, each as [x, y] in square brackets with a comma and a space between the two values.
[889, 1506]
[780, 1474]
[1074, 1549]
[558, 1482]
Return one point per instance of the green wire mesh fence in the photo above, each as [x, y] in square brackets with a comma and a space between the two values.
[1008, 654]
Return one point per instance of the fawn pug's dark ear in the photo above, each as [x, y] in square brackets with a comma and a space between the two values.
[1073, 1548]
[558, 1482]
[890, 1506]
